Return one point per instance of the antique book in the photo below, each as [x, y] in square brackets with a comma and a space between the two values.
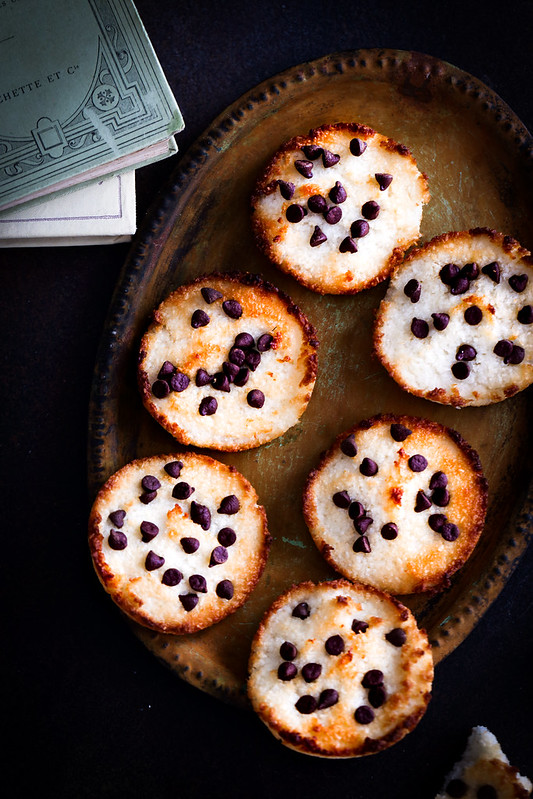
[82, 95]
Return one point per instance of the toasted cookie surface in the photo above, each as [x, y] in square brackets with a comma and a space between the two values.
[229, 362]
[339, 669]
[484, 772]
[337, 208]
[397, 502]
[456, 324]
[178, 541]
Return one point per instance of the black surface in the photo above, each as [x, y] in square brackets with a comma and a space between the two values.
[89, 712]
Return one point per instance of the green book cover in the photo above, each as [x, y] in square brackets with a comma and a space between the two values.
[82, 94]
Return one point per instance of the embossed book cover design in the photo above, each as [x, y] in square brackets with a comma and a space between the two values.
[82, 94]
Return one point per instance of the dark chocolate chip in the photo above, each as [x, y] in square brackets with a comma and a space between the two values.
[312, 151]
[173, 468]
[460, 285]
[359, 229]
[117, 518]
[329, 159]
[311, 671]
[317, 237]
[370, 210]
[356, 510]
[328, 697]
[243, 341]
[218, 555]
[220, 382]
[371, 678]
[436, 521]
[287, 671]
[389, 531]
[441, 497]
[364, 715]
[518, 283]
[117, 540]
[362, 524]
[182, 491]
[208, 406]
[456, 789]
[306, 704]
[167, 369]
[359, 626]
[202, 378]
[264, 342]
[422, 502]
[338, 193]
[399, 432]
[317, 204]
[377, 696]
[189, 601]
[199, 319]
[294, 213]
[348, 245]
[460, 370]
[224, 589]
[286, 189]
[242, 376]
[288, 651]
[236, 356]
[147, 497]
[465, 353]
[189, 545]
[449, 273]
[255, 398]
[333, 215]
[438, 480]
[348, 446]
[227, 536]
[449, 531]
[503, 348]
[301, 610]
[470, 271]
[149, 530]
[368, 467]
[232, 308]
[487, 792]
[341, 499]
[396, 637]
[334, 645]
[492, 270]
[150, 483]
[197, 583]
[171, 577]
[179, 382]
[160, 389]
[231, 370]
[419, 328]
[384, 180]
[362, 545]
[305, 168]
[252, 359]
[525, 315]
[357, 146]
[412, 289]
[153, 561]
[229, 505]
[210, 295]
[440, 320]
[473, 315]
[417, 463]
[517, 355]
[200, 514]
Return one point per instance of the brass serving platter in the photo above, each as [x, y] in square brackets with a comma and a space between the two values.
[477, 156]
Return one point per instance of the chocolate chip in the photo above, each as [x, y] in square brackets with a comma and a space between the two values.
[377, 696]
[252, 359]
[305, 168]
[368, 467]
[503, 348]
[328, 697]
[311, 671]
[389, 531]
[301, 611]
[231, 370]
[149, 530]
[348, 245]
[173, 468]
[456, 789]
[202, 378]
[370, 210]
[334, 645]
[208, 406]
[317, 237]
[179, 382]
[243, 341]
[465, 353]
[198, 583]
[359, 229]
[448, 273]
[189, 545]
[147, 497]
[200, 514]
[182, 491]
[396, 637]
[348, 446]
[199, 319]
[153, 561]
[525, 315]
[441, 497]
[224, 589]
[422, 502]
[438, 480]
[436, 521]
[460, 285]
[399, 432]
[306, 704]
[287, 671]
[312, 151]
[461, 370]
[517, 355]
[218, 555]
[384, 180]
[150, 483]
[317, 204]
[255, 398]
[236, 356]
[232, 308]
[449, 531]
[470, 271]
[333, 215]
[264, 342]
[227, 536]
[440, 320]
[487, 792]
[371, 678]
[338, 193]
[473, 315]
[160, 389]
[359, 626]
[117, 540]
[518, 282]
[412, 289]
[117, 517]
[492, 270]
[210, 295]
[189, 601]
[362, 545]
[329, 159]
[288, 651]
[167, 369]
[357, 146]
[286, 189]
[242, 376]
[341, 499]
[417, 463]
[362, 524]
[229, 505]
[364, 715]
[356, 510]
[294, 213]
[221, 382]
[419, 328]
[171, 577]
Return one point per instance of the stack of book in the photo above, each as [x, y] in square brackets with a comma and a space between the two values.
[83, 103]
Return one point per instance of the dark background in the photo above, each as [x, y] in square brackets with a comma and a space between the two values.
[89, 712]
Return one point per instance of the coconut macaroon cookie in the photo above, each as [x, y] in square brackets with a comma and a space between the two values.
[456, 324]
[339, 669]
[178, 541]
[397, 502]
[229, 362]
[337, 208]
